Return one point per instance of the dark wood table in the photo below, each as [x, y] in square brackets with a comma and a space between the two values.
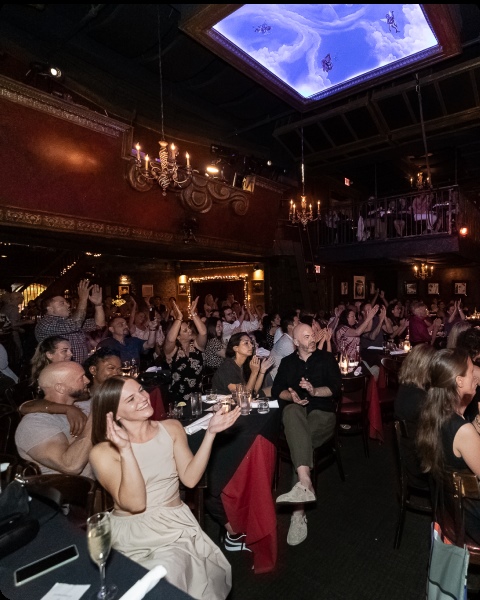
[240, 472]
[59, 533]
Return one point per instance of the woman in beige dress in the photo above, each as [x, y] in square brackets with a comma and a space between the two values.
[139, 462]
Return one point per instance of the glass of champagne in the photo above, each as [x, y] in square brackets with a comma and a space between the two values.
[99, 539]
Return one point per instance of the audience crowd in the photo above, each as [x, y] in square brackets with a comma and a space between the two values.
[80, 416]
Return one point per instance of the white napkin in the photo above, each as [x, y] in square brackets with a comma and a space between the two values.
[153, 369]
[375, 348]
[65, 591]
[201, 423]
[145, 584]
[271, 404]
[393, 352]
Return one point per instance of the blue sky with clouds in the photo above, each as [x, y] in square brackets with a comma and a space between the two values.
[290, 40]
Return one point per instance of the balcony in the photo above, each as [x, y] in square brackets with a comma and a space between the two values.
[423, 223]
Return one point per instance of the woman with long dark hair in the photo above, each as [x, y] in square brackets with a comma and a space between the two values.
[445, 440]
[347, 333]
[140, 462]
[395, 323]
[240, 366]
[183, 348]
[214, 353]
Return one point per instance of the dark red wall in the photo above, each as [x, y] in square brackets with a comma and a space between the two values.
[53, 165]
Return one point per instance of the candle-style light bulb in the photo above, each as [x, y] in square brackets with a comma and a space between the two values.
[187, 155]
[138, 151]
[147, 158]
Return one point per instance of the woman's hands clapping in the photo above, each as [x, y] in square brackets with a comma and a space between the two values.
[222, 420]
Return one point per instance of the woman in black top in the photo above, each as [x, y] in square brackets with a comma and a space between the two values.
[445, 440]
[414, 380]
[240, 366]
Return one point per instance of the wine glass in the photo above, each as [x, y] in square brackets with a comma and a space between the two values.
[99, 539]
[126, 367]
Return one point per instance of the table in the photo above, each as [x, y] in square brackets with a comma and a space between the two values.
[240, 472]
[59, 533]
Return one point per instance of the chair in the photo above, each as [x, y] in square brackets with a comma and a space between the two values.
[458, 486]
[387, 394]
[411, 497]
[352, 409]
[194, 498]
[328, 452]
[19, 393]
[9, 420]
[75, 490]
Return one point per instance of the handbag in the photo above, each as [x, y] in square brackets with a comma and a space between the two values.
[447, 570]
[17, 527]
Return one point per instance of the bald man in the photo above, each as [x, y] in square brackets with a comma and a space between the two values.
[307, 383]
[46, 438]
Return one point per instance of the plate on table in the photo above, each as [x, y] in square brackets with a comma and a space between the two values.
[219, 398]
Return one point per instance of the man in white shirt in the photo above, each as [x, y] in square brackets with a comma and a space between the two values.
[232, 324]
[46, 438]
[284, 346]
[279, 332]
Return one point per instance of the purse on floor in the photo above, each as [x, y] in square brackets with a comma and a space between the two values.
[447, 570]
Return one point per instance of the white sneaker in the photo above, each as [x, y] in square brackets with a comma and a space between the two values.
[297, 532]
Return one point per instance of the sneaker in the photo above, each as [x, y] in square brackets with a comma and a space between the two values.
[235, 543]
[299, 494]
[297, 532]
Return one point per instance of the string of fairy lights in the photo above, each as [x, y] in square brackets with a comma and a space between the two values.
[243, 277]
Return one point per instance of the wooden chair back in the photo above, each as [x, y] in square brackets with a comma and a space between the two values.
[60, 489]
[457, 487]
[392, 368]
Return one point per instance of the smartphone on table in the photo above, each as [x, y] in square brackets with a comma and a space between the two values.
[45, 565]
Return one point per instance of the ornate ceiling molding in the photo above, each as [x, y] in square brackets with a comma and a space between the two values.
[45, 103]
[11, 216]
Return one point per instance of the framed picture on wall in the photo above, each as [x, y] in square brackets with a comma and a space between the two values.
[460, 288]
[359, 287]
[411, 288]
[182, 289]
[123, 289]
[433, 289]
[147, 291]
[344, 288]
[371, 288]
[257, 287]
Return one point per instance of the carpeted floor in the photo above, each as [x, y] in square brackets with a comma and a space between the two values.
[349, 550]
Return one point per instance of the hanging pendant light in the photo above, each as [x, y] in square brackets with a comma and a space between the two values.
[303, 214]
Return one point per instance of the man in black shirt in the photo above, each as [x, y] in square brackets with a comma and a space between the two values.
[307, 383]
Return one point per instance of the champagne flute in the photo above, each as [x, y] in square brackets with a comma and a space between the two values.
[99, 539]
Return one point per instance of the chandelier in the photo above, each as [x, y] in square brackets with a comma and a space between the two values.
[163, 170]
[302, 214]
[424, 271]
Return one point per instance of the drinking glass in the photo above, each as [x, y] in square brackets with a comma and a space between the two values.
[196, 404]
[126, 368]
[99, 539]
[245, 399]
[263, 406]
[134, 370]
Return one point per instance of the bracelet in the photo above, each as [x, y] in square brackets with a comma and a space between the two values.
[194, 314]
[179, 320]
